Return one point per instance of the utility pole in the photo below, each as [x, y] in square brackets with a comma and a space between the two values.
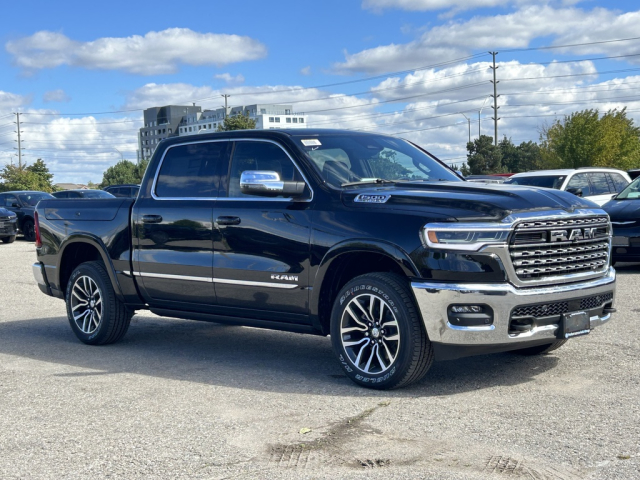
[225, 104]
[495, 99]
[479, 113]
[469, 122]
[19, 142]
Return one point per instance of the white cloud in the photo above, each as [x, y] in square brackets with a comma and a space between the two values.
[10, 101]
[306, 70]
[154, 53]
[424, 5]
[56, 96]
[230, 79]
[455, 39]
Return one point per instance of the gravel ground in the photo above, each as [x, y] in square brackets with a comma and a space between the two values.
[180, 399]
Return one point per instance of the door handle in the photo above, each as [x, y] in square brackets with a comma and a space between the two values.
[228, 220]
[151, 218]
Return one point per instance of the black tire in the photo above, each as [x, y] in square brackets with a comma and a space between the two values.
[540, 349]
[29, 230]
[401, 361]
[112, 322]
[10, 239]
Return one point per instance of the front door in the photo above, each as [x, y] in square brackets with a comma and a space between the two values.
[173, 244]
[261, 244]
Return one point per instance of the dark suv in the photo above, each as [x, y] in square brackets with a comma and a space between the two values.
[127, 191]
[8, 227]
[23, 204]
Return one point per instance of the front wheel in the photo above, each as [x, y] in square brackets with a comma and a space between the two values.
[540, 349]
[377, 332]
[10, 239]
[96, 315]
[28, 230]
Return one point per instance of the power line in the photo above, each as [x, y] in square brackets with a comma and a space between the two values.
[570, 45]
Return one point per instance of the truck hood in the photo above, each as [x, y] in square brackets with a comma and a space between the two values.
[621, 210]
[463, 201]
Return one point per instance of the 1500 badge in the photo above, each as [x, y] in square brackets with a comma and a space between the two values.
[292, 278]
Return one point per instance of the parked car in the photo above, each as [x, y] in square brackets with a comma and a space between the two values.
[485, 179]
[82, 193]
[126, 191]
[596, 184]
[23, 204]
[320, 232]
[624, 212]
[8, 225]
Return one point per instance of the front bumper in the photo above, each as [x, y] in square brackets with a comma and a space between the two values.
[434, 300]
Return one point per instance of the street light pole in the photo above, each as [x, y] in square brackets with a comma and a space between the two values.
[469, 122]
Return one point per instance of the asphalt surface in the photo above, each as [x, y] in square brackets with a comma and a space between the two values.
[183, 399]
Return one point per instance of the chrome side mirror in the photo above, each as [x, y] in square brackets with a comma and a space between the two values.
[268, 184]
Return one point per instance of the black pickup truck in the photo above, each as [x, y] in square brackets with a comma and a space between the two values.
[367, 238]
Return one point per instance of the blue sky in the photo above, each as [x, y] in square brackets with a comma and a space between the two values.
[82, 73]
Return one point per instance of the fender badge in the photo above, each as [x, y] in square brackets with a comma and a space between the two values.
[292, 278]
[368, 198]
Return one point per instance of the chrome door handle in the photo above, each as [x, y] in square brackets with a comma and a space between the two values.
[151, 218]
[224, 220]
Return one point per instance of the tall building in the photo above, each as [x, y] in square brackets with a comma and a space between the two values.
[267, 116]
[160, 123]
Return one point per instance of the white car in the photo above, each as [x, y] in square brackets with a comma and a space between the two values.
[593, 183]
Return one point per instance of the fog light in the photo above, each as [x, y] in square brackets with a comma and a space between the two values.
[466, 308]
[470, 315]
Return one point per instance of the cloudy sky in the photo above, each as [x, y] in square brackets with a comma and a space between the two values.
[80, 73]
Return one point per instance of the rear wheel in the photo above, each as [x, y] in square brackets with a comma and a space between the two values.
[28, 230]
[377, 332]
[540, 349]
[10, 239]
[96, 315]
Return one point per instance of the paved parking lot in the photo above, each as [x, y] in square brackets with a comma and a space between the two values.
[182, 399]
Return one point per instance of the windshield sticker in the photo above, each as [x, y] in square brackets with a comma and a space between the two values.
[311, 142]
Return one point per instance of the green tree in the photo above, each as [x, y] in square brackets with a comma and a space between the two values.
[124, 172]
[237, 122]
[483, 157]
[586, 139]
[521, 158]
[33, 177]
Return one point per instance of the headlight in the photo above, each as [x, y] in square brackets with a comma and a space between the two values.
[461, 236]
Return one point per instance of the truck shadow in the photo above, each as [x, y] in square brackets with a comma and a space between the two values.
[242, 357]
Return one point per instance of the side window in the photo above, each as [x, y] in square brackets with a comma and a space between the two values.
[74, 195]
[10, 200]
[599, 184]
[619, 181]
[190, 171]
[259, 156]
[62, 195]
[580, 181]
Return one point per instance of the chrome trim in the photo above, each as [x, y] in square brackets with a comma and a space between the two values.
[435, 298]
[286, 286]
[256, 199]
[126, 272]
[167, 276]
[37, 274]
[173, 277]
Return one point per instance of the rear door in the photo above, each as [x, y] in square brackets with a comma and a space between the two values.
[173, 244]
[601, 191]
[261, 244]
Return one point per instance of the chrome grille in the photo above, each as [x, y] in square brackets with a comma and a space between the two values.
[555, 248]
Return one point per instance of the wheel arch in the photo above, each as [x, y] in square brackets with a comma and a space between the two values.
[80, 248]
[348, 260]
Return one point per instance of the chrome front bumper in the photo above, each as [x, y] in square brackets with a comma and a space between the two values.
[434, 300]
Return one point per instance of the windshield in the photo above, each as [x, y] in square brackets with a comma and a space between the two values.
[32, 199]
[631, 192]
[96, 194]
[545, 181]
[345, 159]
